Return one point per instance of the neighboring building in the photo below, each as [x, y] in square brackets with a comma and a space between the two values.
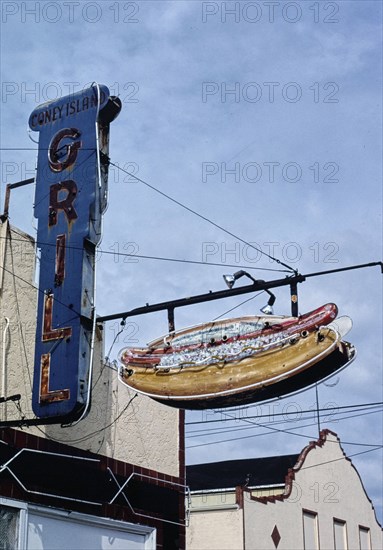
[310, 500]
[115, 479]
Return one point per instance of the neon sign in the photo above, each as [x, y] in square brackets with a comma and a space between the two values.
[70, 197]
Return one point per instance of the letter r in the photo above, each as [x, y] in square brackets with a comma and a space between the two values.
[66, 204]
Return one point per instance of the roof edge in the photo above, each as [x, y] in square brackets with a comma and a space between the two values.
[290, 476]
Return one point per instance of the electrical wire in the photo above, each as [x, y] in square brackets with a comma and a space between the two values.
[273, 430]
[77, 166]
[280, 262]
[237, 306]
[218, 431]
[101, 251]
[291, 269]
[37, 148]
[206, 263]
[341, 458]
[361, 405]
[14, 277]
[95, 432]
[107, 361]
[183, 261]
[226, 429]
[39, 290]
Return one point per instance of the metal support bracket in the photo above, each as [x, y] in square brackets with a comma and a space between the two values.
[122, 487]
[6, 466]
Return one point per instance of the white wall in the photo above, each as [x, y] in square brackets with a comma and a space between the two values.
[215, 530]
[326, 484]
[143, 432]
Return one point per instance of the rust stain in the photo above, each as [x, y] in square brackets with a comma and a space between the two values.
[65, 205]
[60, 260]
[48, 332]
[47, 396]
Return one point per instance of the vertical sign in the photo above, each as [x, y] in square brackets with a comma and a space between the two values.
[71, 191]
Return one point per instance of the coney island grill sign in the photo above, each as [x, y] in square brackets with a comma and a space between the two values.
[70, 197]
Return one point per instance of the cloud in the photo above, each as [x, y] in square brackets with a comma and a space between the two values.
[269, 99]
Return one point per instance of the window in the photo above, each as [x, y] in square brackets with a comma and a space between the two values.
[364, 538]
[340, 535]
[59, 530]
[310, 530]
[28, 527]
[9, 527]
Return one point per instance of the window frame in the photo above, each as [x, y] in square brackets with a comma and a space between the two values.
[343, 523]
[368, 531]
[150, 533]
[314, 515]
[22, 508]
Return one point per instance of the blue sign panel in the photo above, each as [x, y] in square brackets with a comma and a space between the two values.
[71, 187]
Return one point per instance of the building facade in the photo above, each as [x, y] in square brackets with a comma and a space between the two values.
[115, 476]
[313, 500]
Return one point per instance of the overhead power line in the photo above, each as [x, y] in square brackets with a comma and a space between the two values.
[192, 211]
[208, 432]
[273, 430]
[328, 409]
[148, 257]
[28, 283]
[376, 448]
[291, 269]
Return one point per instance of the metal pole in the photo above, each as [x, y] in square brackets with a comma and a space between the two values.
[8, 194]
[317, 411]
[218, 295]
[294, 299]
[171, 324]
[209, 296]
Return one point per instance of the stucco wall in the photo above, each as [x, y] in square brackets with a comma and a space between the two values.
[139, 431]
[328, 485]
[215, 530]
[323, 482]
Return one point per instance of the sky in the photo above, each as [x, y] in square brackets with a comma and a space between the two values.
[263, 118]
